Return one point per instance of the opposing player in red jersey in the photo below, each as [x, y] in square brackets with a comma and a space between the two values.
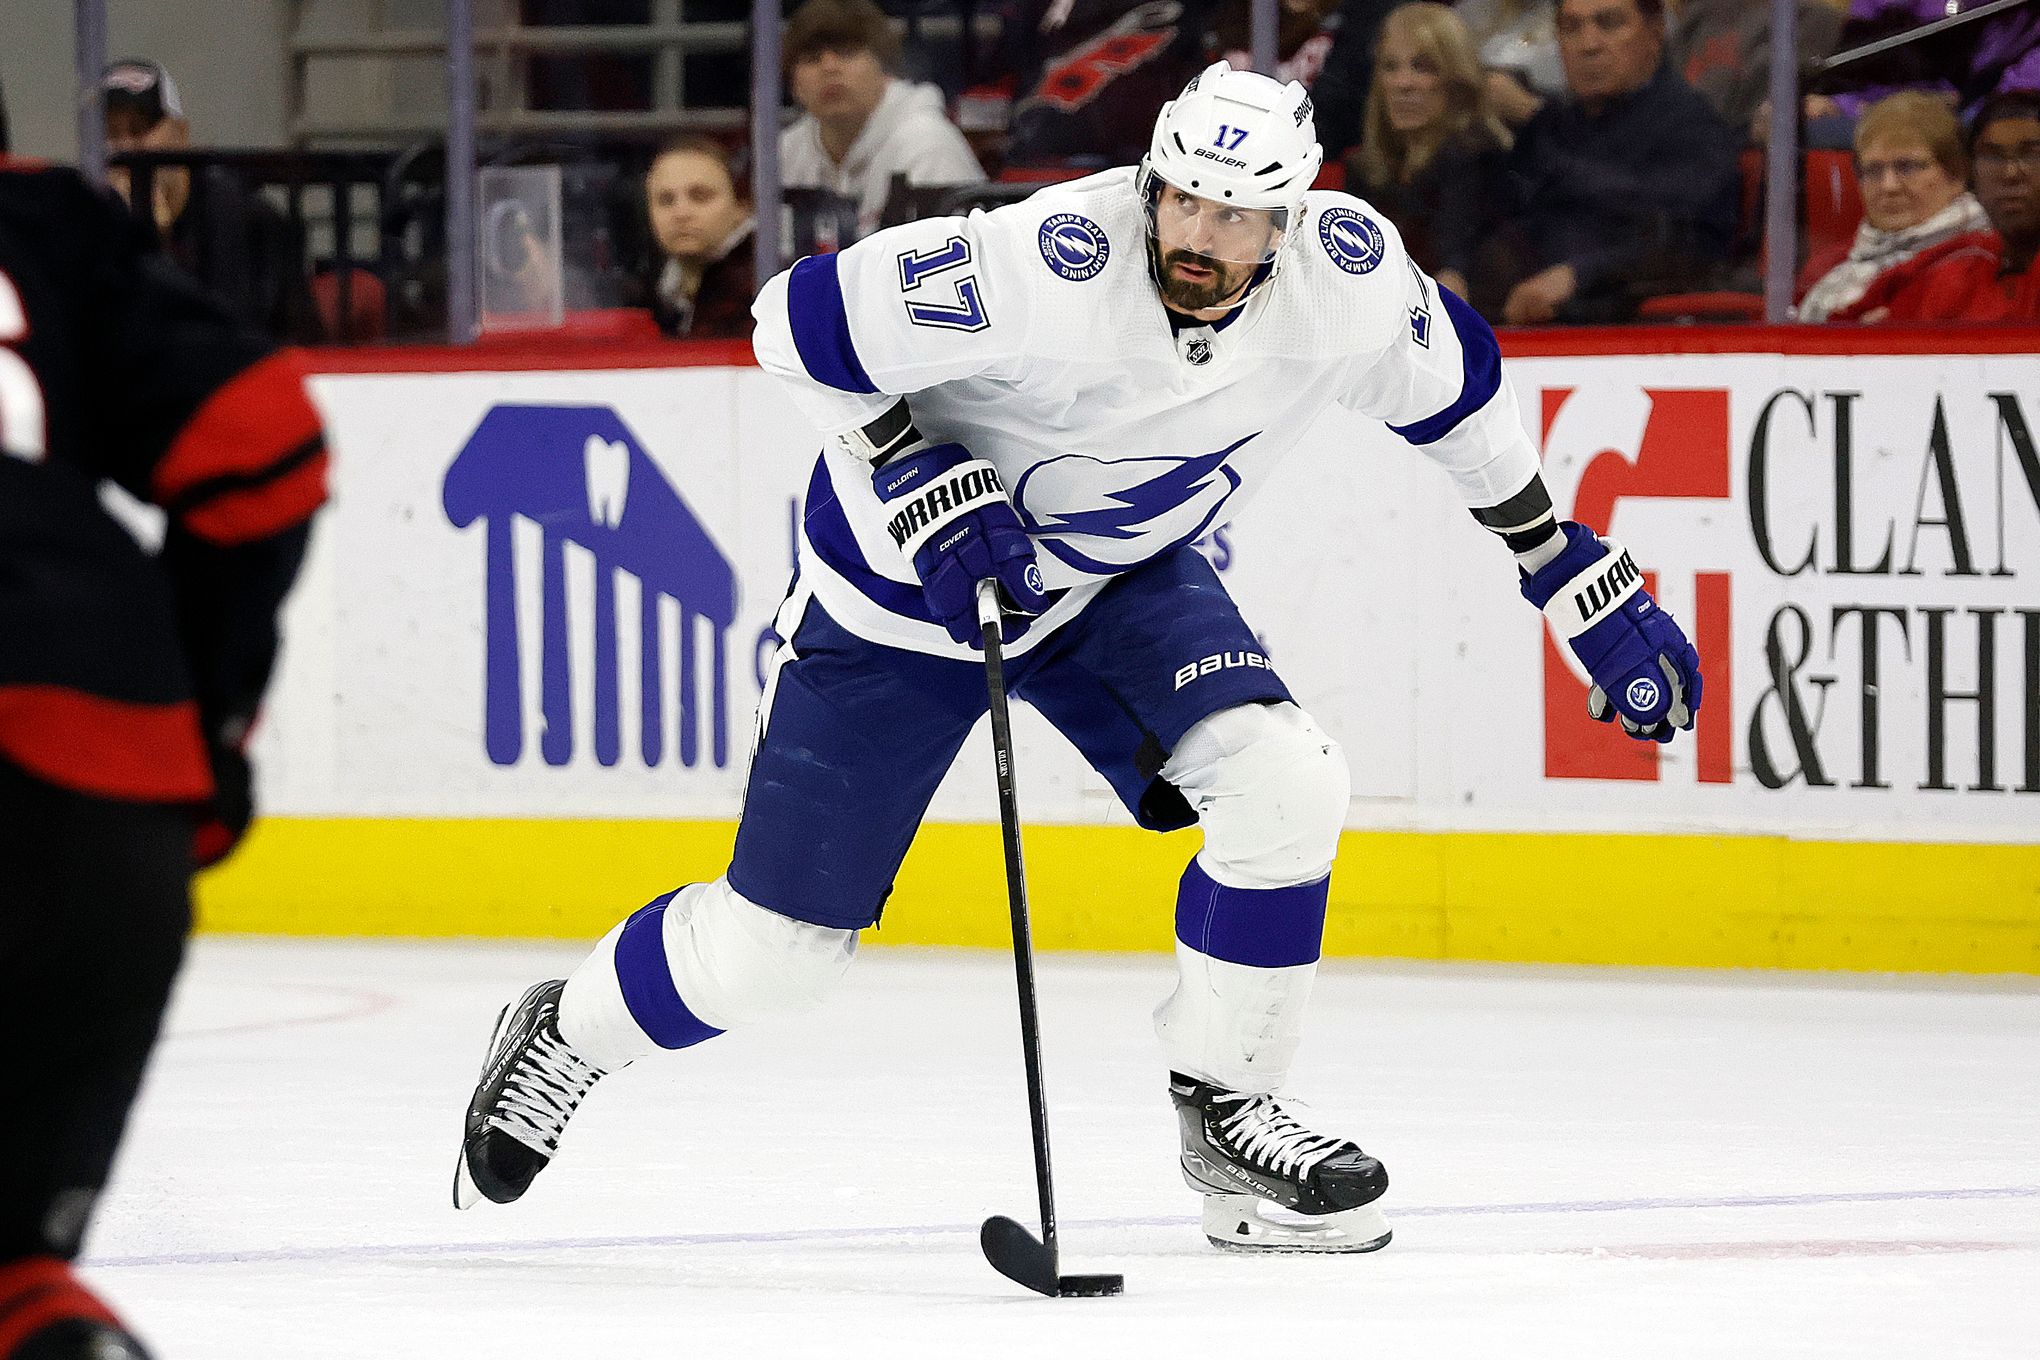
[128, 683]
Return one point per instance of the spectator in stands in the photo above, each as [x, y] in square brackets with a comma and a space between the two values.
[1988, 276]
[1626, 188]
[2004, 149]
[145, 113]
[242, 249]
[1722, 48]
[1518, 45]
[702, 222]
[1433, 157]
[863, 128]
[1911, 166]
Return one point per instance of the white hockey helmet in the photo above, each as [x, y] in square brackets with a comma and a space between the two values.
[1236, 137]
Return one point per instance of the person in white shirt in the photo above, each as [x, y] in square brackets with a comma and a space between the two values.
[863, 126]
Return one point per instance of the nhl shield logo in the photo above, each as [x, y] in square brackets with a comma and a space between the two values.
[1354, 243]
[1074, 246]
[1198, 351]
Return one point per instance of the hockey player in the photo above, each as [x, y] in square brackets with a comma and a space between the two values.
[127, 685]
[1064, 394]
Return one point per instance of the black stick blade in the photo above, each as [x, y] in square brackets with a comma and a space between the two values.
[1024, 1259]
[1018, 1255]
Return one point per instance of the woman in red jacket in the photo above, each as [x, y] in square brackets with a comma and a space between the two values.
[1916, 210]
[1996, 281]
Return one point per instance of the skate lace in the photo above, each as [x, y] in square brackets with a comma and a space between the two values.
[545, 1085]
[1262, 1131]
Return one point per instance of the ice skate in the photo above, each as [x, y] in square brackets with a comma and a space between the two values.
[1270, 1183]
[531, 1084]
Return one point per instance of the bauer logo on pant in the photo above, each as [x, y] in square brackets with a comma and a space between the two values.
[578, 475]
[1220, 661]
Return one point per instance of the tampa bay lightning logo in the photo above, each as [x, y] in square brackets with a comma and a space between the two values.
[1354, 243]
[1103, 516]
[1074, 246]
[1643, 694]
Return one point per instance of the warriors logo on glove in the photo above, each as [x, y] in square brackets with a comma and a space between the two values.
[1646, 674]
[949, 515]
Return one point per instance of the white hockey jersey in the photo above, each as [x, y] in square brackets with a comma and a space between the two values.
[1034, 336]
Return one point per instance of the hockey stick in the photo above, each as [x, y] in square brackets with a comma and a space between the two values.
[1013, 1251]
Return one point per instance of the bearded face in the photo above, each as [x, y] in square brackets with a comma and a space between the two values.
[1194, 282]
[1206, 252]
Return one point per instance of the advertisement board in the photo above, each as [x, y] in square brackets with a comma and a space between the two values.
[548, 596]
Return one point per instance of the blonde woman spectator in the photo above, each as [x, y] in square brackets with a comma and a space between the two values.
[1910, 163]
[1433, 153]
[1517, 41]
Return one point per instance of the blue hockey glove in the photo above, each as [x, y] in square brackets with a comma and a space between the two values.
[949, 514]
[1645, 672]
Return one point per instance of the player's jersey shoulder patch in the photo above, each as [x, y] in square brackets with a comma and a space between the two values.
[1074, 246]
[1352, 240]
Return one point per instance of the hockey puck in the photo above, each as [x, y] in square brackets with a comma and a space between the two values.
[1089, 1286]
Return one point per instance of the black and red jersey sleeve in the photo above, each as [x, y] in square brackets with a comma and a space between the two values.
[142, 380]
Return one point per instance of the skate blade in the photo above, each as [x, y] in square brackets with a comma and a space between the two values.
[1245, 1223]
[466, 1194]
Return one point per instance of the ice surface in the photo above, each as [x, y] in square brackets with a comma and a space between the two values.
[1584, 1164]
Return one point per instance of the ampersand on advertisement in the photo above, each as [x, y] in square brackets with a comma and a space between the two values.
[1799, 729]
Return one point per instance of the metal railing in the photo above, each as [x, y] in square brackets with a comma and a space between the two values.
[466, 117]
[350, 215]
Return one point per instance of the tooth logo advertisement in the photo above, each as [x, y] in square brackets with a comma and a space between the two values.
[580, 475]
[537, 595]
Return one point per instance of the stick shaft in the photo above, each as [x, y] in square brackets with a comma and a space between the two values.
[1016, 900]
[1913, 35]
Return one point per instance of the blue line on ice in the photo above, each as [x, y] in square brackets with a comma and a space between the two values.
[367, 1252]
